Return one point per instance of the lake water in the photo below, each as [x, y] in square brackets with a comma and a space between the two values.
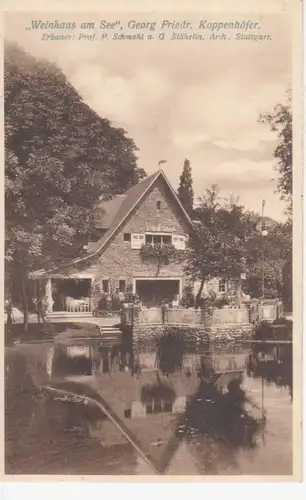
[53, 435]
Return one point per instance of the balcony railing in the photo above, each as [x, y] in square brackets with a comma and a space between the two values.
[173, 316]
[230, 316]
[184, 316]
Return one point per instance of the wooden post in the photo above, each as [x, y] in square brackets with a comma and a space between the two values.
[25, 304]
[109, 354]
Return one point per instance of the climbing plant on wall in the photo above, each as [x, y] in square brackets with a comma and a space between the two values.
[161, 254]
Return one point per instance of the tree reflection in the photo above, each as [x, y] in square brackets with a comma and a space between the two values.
[220, 416]
[273, 364]
[170, 353]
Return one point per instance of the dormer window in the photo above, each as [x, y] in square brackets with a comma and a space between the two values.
[158, 205]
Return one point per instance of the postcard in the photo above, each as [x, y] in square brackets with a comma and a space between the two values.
[153, 241]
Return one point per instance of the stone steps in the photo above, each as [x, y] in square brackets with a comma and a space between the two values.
[110, 335]
[62, 315]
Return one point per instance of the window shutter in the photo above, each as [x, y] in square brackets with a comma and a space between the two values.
[182, 242]
[137, 240]
[179, 242]
[175, 241]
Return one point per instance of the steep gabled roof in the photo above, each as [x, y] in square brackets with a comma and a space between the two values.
[130, 201]
[127, 204]
[105, 211]
[132, 197]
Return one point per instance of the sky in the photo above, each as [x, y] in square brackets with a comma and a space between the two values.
[199, 100]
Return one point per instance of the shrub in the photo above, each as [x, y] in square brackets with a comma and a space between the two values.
[188, 299]
[221, 302]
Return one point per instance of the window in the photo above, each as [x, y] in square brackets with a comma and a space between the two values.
[158, 406]
[128, 413]
[158, 205]
[222, 286]
[137, 240]
[105, 286]
[127, 236]
[122, 286]
[158, 239]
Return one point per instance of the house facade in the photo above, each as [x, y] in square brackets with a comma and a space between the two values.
[148, 215]
[219, 286]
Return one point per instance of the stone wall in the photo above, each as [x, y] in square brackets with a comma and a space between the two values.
[231, 336]
[186, 348]
[120, 262]
[146, 337]
[151, 334]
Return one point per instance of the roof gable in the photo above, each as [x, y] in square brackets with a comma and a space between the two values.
[132, 199]
[105, 212]
[126, 204]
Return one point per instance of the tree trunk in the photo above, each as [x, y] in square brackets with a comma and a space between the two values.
[206, 312]
[25, 305]
[157, 267]
[9, 309]
[37, 294]
[198, 296]
[239, 292]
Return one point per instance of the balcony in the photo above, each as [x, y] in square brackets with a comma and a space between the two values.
[180, 316]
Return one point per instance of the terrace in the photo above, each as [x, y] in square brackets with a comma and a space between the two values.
[180, 316]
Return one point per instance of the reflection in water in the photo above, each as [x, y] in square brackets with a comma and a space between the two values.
[170, 353]
[273, 364]
[220, 416]
[158, 396]
[218, 427]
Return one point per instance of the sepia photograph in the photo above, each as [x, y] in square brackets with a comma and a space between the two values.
[149, 211]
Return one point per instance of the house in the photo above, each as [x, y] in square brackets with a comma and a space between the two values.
[219, 286]
[149, 213]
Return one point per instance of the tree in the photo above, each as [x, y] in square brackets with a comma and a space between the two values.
[280, 121]
[228, 242]
[219, 246]
[271, 258]
[60, 156]
[185, 190]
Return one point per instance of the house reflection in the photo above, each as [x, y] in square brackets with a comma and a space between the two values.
[181, 392]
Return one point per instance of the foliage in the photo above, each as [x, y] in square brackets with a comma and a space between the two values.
[222, 234]
[275, 260]
[221, 302]
[219, 416]
[280, 121]
[287, 283]
[185, 190]
[170, 351]
[56, 148]
[161, 253]
[228, 241]
[116, 302]
[60, 156]
[188, 299]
